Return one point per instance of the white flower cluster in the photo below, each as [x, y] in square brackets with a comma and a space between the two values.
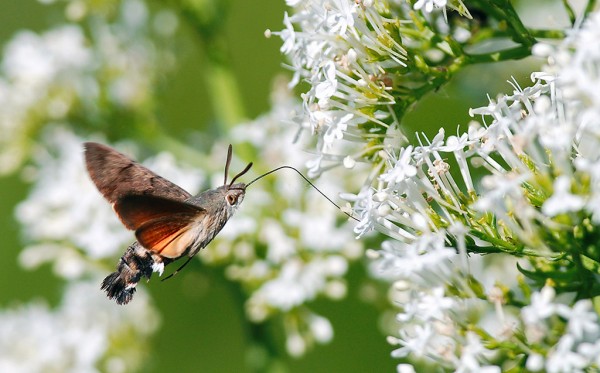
[348, 52]
[432, 324]
[539, 150]
[67, 72]
[353, 56]
[297, 251]
[37, 79]
[433, 331]
[77, 335]
[577, 349]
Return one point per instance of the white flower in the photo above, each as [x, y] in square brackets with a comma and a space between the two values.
[365, 209]
[435, 304]
[295, 345]
[321, 328]
[336, 131]
[401, 168]
[327, 87]
[564, 359]
[341, 17]
[288, 35]
[471, 354]
[591, 351]
[455, 143]
[583, 320]
[427, 306]
[405, 368]
[541, 307]
[499, 188]
[562, 200]
[429, 4]
[535, 362]
[415, 343]
[398, 260]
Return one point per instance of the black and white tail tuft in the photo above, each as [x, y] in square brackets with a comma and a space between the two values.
[137, 262]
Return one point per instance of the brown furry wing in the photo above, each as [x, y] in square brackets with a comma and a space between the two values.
[116, 175]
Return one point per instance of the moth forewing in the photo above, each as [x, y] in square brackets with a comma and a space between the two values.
[137, 210]
[116, 175]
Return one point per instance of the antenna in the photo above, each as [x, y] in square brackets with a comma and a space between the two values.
[229, 153]
[240, 174]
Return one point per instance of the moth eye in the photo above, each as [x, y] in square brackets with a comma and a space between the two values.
[231, 199]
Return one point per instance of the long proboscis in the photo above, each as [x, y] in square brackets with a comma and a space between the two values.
[305, 179]
[256, 179]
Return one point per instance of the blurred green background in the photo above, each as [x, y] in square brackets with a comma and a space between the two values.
[201, 328]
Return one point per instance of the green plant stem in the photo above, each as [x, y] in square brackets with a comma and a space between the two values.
[516, 53]
[569, 10]
[207, 19]
[503, 11]
[226, 97]
[589, 7]
[547, 34]
[586, 278]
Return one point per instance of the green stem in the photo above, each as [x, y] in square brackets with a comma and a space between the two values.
[226, 99]
[547, 34]
[516, 53]
[503, 11]
[207, 20]
[586, 278]
[570, 12]
[589, 7]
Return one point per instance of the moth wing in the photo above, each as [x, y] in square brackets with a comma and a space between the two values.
[137, 210]
[170, 236]
[116, 175]
[165, 226]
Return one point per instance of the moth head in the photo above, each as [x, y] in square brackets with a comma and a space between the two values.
[234, 193]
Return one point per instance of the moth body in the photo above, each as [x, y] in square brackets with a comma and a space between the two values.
[220, 204]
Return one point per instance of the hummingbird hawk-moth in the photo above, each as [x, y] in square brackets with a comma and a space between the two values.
[169, 222]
